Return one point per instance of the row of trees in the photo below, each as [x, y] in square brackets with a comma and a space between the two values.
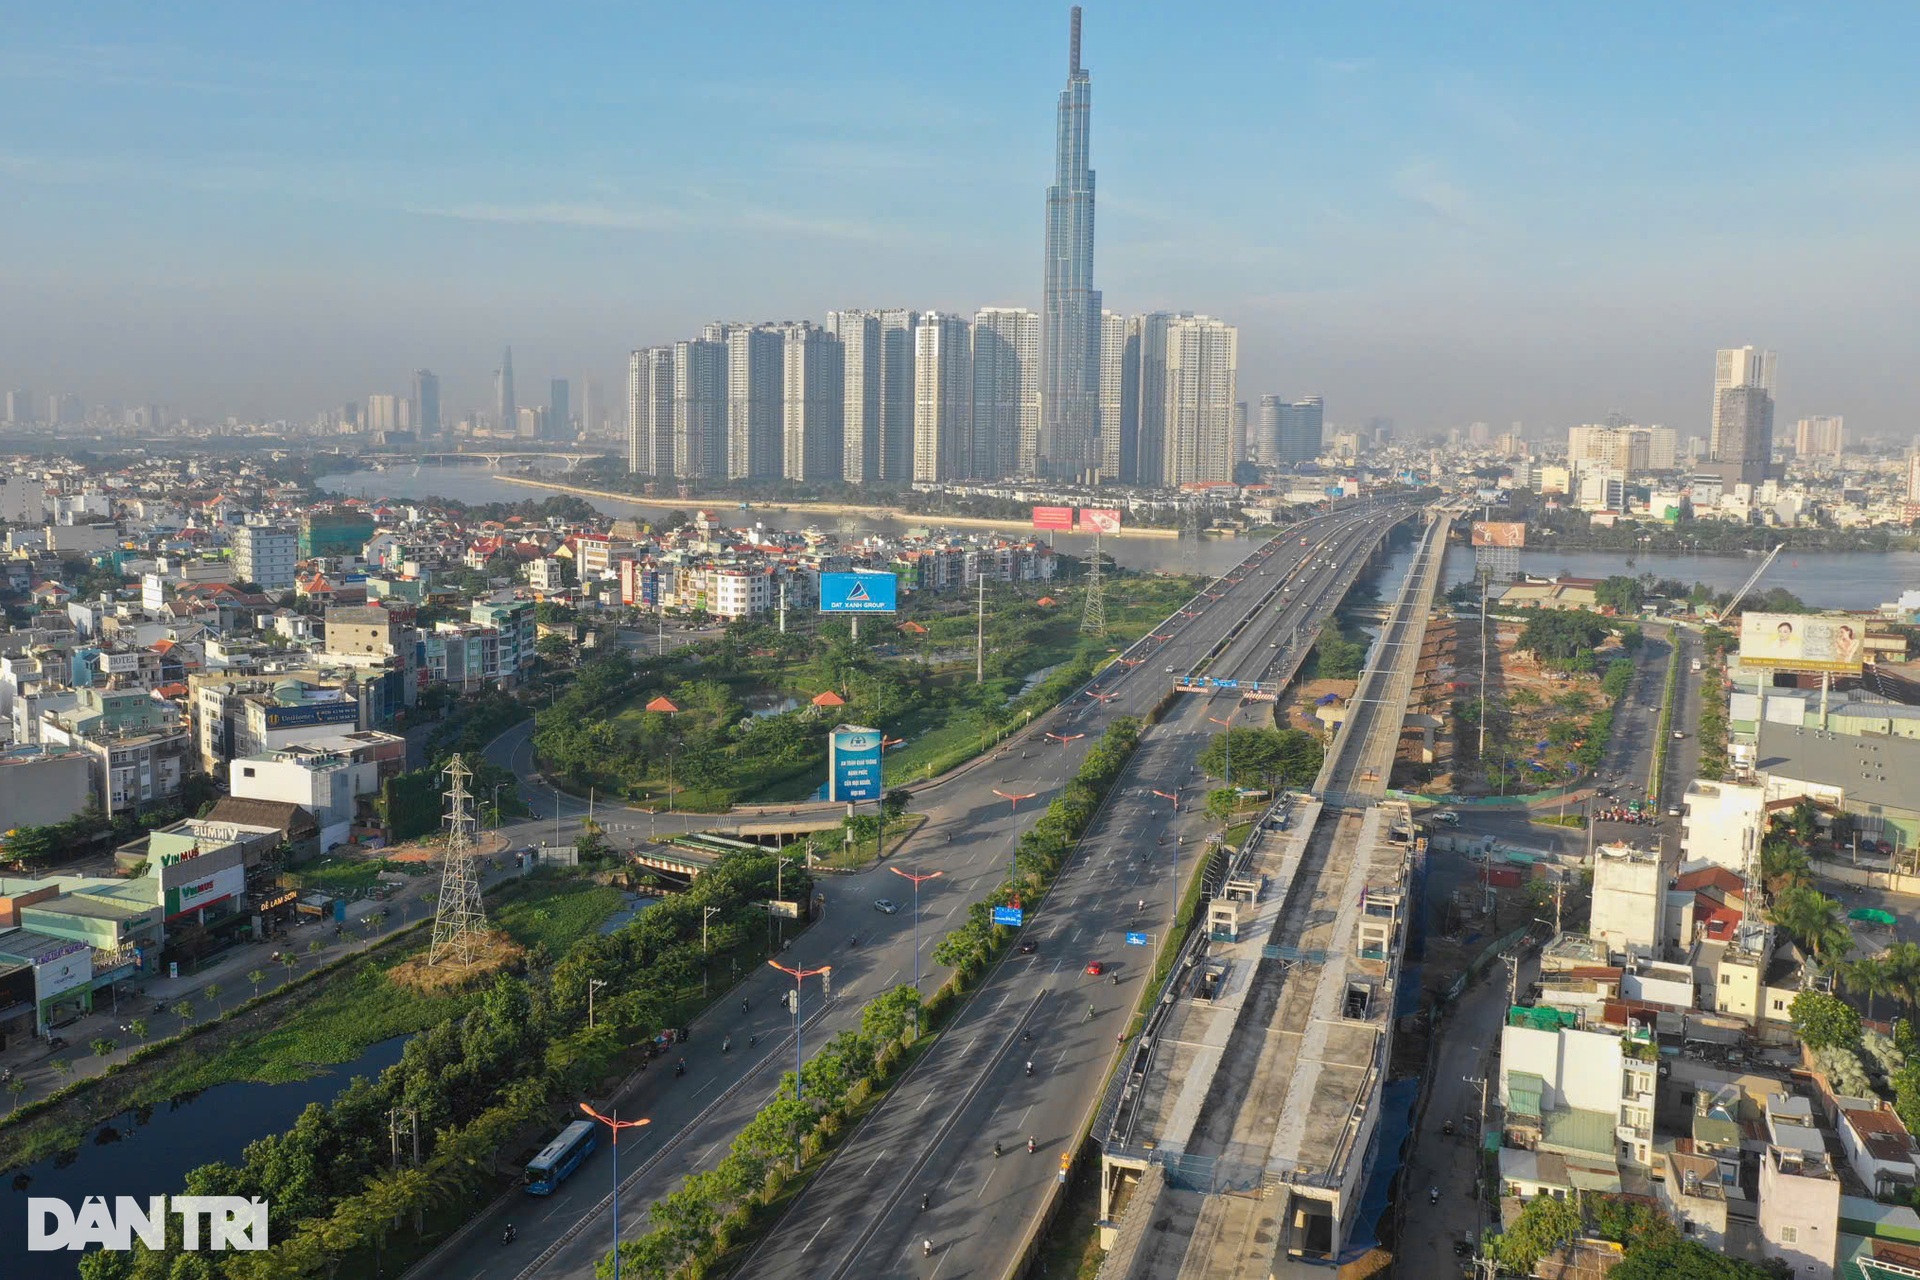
[710, 1212]
[1654, 1248]
[503, 1064]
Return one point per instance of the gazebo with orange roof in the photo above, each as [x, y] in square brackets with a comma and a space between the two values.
[662, 703]
[829, 699]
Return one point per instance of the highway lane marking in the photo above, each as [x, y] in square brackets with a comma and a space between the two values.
[815, 1235]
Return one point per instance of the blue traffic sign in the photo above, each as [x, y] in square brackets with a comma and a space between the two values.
[1014, 916]
[1136, 939]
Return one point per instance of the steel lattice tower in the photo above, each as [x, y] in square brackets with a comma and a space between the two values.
[460, 919]
[1094, 620]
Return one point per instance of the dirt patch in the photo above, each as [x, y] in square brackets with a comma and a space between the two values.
[1295, 709]
[494, 952]
[485, 846]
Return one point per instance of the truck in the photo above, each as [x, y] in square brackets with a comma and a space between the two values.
[1696, 666]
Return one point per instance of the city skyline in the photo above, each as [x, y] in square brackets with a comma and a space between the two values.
[1495, 217]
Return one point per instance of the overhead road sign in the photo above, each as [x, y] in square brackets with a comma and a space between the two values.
[1013, 917]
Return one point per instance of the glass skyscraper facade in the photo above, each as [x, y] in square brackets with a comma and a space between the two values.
[1070, 314]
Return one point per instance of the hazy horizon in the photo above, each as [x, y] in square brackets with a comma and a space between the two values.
[1492, 213]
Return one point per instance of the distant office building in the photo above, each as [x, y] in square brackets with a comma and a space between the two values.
[265, 555]
[383, 413]
[1743, 434]
[1300, 429]
[813, 386]
[650, 412]
[699, 409]
[70, 410]
[1266, 432]
[1913, 476]
[1202, 365]
[559, 409]
[756, 359]
[506, 415]
[1239, 433]
[1663, 450]
[1119, 395]
[20, 408]
[1821, 437]
[426, 402]
[943, 398]
[858, 333]
[533, 423]
[1070, 342]
[1006, 392]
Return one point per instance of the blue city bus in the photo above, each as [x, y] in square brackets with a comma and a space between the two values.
[561, 1157]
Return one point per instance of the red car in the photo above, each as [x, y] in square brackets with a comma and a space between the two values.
[1096, 968]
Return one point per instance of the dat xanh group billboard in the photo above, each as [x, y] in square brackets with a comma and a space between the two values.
[853, 763]
[1099, 520]
[1802, 642]
[1059, 519]
[859, 593]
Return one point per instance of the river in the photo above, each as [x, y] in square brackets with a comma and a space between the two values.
[132, 1156]
[1828, 579]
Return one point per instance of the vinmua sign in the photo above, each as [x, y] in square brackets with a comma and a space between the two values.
[231, 1222]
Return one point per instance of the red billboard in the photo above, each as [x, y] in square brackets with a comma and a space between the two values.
[1099, 520]
[1053, 518]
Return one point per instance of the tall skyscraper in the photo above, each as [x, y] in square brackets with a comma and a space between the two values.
[943, 398]
[20, 408]
[898, 361]
[1006, 392]
[559, 410]
[813, 387]
[1119, 395]
[1150, 443]
[756, 361]
[650, 412]
[1239, 432]
[1301, 427]
[861, 378]
[1070, 339]
[1266, 433]
[1743, 387]
[426, 402]
[506, 413]
[699, 409]
[1202, 367]
[1820, 437]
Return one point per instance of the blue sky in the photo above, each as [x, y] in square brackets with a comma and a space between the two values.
[1437, 213]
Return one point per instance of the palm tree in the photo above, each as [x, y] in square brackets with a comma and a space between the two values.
[256, 977]
[213, 994]
[1816, 921]
[61, 1067]
[139, 1028]
[1869, 976]
[184, 1008]
[1903, 964]
[290, 960]
[15, 1087]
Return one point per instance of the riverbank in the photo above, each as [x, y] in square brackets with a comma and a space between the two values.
[809, 507]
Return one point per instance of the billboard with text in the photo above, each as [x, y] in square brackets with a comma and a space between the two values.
[859, 593]
[1499, 533]
[1060, 518]
[1802, 642]
[853, 764]
[1099, 520]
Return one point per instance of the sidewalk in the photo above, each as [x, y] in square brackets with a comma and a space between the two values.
[31, 1062]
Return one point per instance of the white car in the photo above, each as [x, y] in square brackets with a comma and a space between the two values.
[886, 906]
[1447, 816]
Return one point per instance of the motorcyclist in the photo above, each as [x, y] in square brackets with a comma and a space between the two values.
[926, 1248]
[926, 1199]
[1029, 1066]
[507, 1236]
[1029, 1144]
[996, 1150]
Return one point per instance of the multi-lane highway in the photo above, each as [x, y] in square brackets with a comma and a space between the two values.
[935, 1136]
[1238, 624]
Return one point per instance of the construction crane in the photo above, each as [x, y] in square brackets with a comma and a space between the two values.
[1747, 586]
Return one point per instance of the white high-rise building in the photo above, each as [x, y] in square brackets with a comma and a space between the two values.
[265, 555]
[943, 398]
[1820, 437]
[1202, 366]
[699, 409]
[383, 412]
[898, 360]
[861, 379]
[813, 385]
[650, 412]
[1006, 392]
[1119, 396]
[756, 363]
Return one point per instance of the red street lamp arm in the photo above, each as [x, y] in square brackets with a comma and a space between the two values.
[799, 975]
[917, 879]
[611, 1123]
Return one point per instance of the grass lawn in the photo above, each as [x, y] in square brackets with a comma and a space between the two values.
[557, 914]
[343, 877]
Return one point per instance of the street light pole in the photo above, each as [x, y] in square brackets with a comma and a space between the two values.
[931, 875]
[706, 914]
[616, 1124]
[799, 977]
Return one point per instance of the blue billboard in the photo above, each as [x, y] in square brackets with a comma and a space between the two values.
[853, 764]
[859, 593]
[1011, 916]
